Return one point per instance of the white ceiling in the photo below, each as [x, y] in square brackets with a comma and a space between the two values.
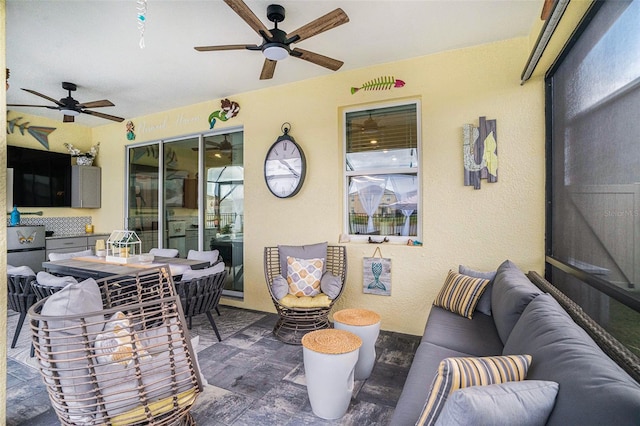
[95, 44]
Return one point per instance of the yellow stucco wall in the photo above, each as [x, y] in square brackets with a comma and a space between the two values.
[480, 228]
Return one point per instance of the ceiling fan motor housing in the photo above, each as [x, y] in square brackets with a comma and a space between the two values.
[275, 13]
[69, 86]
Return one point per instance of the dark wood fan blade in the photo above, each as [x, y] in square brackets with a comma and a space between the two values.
[96, 104]
[318, 59]
[33, 92]
[226, 47]
[248, 16]
[102, 115]
[268, 69]
[33, 106]
[68, 119]
[320, 25]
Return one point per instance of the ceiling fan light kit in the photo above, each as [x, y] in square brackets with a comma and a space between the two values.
[70, 112]
[276, 44]
[275, 52]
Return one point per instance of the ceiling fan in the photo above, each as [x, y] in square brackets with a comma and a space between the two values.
[222, 147]
[70, 107]
[370, 126]
[276, 44]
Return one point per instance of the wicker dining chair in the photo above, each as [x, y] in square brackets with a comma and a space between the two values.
[200, 296]
[294, 323]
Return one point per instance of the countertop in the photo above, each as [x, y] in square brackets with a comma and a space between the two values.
[83, 234]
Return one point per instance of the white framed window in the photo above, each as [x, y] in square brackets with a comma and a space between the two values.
[382, 172]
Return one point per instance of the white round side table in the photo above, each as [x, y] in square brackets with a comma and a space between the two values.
[366, 325]
[329, 359]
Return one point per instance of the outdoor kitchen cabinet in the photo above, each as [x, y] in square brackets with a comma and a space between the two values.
[85, 187]
[73, 244]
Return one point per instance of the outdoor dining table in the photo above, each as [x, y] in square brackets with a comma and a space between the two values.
[96, 267]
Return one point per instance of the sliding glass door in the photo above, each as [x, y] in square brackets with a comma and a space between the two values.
[143, 200]
[188, 194]
[180, 179]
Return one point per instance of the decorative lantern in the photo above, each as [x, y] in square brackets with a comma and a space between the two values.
[123, 247]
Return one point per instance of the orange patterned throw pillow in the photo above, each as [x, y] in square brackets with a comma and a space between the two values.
[303, 276]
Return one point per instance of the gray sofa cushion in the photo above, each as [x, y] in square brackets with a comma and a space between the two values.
[512, 292]
[594, 390]
[477, 336]
[525, 403]
[416, 388]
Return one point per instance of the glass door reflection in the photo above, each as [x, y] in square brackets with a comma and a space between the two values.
[181, 195]
[225, 204]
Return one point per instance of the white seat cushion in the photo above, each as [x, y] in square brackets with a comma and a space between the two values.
[197, 273]
[64, 256]
[20, 270]
[164, 252]
[210, 256]
[45, 278]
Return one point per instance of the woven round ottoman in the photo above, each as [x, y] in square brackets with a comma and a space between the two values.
[329, 360]
[366, 325]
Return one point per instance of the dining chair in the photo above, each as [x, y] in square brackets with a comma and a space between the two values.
[20, 297]
[201, 294]
[47, 284]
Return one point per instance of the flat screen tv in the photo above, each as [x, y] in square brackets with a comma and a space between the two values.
[40, 178]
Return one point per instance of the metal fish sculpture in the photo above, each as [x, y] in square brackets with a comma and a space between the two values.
[380, 83]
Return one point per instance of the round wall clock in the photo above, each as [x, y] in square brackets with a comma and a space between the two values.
[285, 167]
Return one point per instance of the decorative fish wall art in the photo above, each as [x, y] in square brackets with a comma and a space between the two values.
[41, 134]
[380, 83]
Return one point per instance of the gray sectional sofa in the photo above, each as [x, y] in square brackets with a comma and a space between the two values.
[592, 388]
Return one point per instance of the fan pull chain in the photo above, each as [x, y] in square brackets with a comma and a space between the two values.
[142, 17]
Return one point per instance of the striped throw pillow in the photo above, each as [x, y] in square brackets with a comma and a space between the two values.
[458, 373]
[460, 294]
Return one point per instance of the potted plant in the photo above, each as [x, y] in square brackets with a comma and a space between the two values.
[86, 158]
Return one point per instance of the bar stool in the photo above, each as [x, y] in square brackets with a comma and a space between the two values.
[329, 359]
[366, 325]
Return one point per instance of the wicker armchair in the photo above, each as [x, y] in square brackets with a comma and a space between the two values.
[117, 352]
[294, 323]
[20, 297]
[201, 296]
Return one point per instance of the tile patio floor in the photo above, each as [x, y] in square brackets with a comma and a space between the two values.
[253, 379]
